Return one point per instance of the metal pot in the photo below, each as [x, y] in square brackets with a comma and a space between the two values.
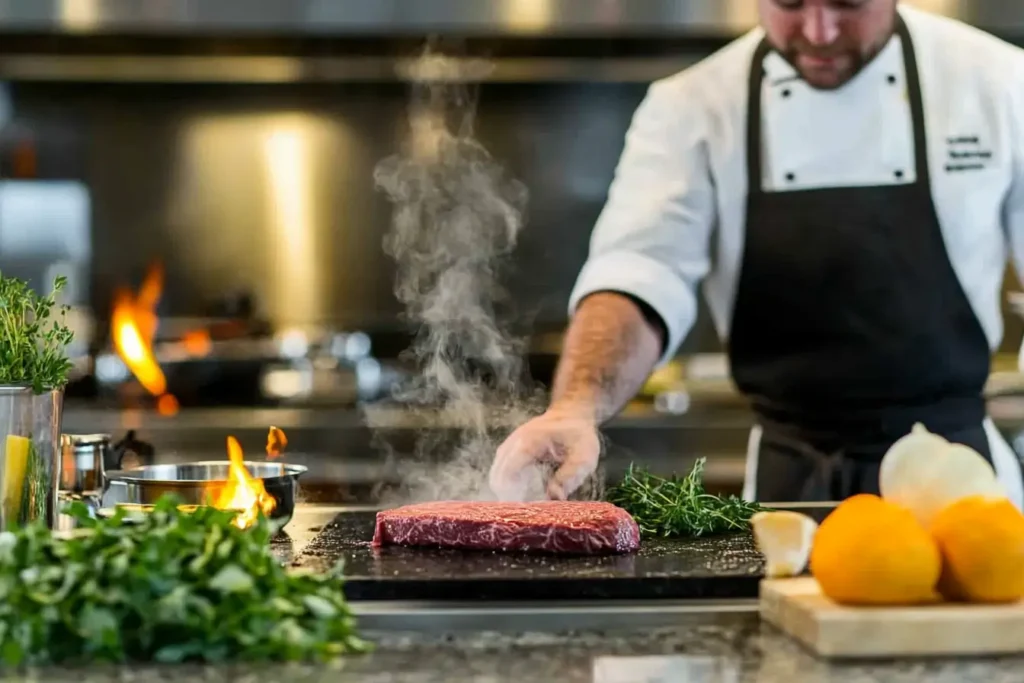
[197, 483]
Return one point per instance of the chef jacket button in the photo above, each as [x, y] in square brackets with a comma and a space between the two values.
[787, 92]
[790, 177]
[891, 79]
[898, 173]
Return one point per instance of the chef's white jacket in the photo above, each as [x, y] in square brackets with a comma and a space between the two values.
[675, 212]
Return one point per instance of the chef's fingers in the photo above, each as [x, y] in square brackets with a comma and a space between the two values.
[569, 477]
[580, 464]
[523, 449]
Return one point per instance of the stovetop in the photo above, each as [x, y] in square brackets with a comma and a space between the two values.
[710, 568]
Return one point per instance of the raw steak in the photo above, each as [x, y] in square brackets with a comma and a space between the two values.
[550, 526]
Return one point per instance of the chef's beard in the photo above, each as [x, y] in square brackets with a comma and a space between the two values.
[849, 60]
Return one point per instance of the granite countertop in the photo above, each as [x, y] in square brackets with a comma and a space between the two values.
[723, 649]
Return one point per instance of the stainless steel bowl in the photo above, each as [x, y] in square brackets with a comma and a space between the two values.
[197, 483]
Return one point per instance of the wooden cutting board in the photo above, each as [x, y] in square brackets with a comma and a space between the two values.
[797, 607]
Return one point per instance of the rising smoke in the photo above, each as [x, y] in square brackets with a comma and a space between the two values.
[456, 221]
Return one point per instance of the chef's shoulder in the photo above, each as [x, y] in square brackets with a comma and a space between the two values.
[712, 88]
[967, 57]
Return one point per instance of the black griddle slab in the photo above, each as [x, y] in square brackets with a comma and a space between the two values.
[711, 568]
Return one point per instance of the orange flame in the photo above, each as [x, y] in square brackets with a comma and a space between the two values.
[133, 325]
[167, 405]
[243, 492]
[197, 343]
[276, 442]
[148, 299]
[131, 341]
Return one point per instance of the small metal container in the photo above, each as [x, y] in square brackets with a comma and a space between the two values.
[198, 483]
[83, 458]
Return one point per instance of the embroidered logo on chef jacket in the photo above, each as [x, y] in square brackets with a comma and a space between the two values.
[858, 135]
[966, 153]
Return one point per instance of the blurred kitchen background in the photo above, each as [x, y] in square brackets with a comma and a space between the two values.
[201, 170]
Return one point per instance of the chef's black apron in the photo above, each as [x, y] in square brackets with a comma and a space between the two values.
[850, 324]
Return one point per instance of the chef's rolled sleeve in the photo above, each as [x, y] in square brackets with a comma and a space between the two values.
[651, 239]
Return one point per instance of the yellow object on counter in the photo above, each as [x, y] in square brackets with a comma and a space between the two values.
[668, 377]
[785, 539]
[16, 456]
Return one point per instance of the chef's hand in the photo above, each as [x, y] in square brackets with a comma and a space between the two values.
[560, 438]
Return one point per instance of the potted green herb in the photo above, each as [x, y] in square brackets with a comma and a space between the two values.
[33, 373]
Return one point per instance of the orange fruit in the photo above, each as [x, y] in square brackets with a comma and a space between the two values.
[872, 552]
[982, 544]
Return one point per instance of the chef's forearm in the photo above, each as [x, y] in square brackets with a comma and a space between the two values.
[609, 351]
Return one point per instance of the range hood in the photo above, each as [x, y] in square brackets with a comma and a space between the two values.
[289, 41]
[537, 18]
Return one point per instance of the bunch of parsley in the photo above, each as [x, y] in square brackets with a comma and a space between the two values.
[33, 336]
[171, 587]
[675, 506]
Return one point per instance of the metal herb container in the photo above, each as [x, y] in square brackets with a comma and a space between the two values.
[30, 472]
[198, 483]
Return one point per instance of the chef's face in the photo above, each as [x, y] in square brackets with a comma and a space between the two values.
[828, 41]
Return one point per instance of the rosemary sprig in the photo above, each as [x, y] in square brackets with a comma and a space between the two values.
[33, 336]
[679, 506]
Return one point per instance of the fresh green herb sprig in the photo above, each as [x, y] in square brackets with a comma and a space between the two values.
[173, 586]
[679, 506]
[33, 336]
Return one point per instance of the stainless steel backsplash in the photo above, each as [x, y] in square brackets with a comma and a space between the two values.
[268, 189]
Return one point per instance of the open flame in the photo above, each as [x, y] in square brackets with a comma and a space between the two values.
[244, 492]
[133, 326]
[276, 441]
[197, 343]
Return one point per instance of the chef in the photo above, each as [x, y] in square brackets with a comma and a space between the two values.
[846, 183]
